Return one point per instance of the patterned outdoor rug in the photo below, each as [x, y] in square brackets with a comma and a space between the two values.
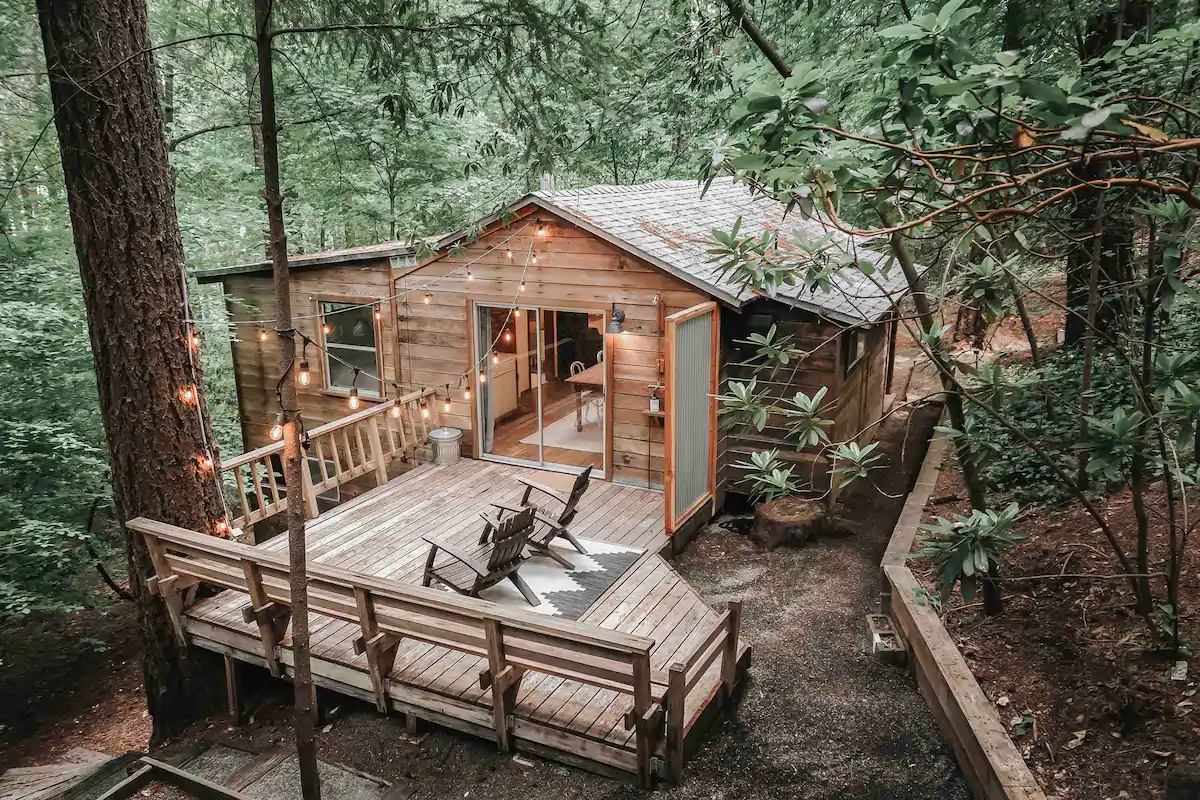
[568, 593]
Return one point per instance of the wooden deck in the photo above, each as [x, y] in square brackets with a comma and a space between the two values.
[379, 534]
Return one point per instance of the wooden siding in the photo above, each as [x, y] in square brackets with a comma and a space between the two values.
[256, 363]
[575, 271]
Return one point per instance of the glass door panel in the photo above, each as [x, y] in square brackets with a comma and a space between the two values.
[509, 394]
[573, 396]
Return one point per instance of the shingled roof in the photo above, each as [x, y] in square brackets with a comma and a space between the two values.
[670, 224]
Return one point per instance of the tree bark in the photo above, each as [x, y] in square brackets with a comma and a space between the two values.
[120, 193]
[293, 458]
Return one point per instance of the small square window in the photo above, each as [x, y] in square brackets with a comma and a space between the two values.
[350, 343]
[854, 344]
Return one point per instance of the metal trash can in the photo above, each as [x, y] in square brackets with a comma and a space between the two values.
[445, 444]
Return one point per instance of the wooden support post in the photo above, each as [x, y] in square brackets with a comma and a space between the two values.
[504, 681]
[308, 494]
[233, 689]
[381, 476]
[676, 708]
[167, 587]
[730, 655]
[379, 647]
[642, 699]
[272, 618]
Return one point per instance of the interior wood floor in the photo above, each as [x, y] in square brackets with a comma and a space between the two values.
[559, 400]
[380, 533]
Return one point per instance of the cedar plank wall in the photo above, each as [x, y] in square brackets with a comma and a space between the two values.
[256, 364]
[822, 368]
[575, 271]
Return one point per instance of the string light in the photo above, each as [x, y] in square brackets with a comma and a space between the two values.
[353, 400]
[532, 258]
[428, 298]
[522, 287]
[467, 393]
[424, 409]
[304, 376]
[262, 334]
[222, 527]
[194, 338]
[204, 462]
[541, 229]
[446, 404]
[378, 314]
[516, 313]
[508, 336]
[325, 329]
[495, 356]
[482, 376]
[470, 277]
[276, 432]
[188, 394]
[508, 253]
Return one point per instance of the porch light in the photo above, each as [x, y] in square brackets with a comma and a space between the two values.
[276, 432]
[304, 376]
[614, 325]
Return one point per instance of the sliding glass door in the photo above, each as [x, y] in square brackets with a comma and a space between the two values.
[542, 387]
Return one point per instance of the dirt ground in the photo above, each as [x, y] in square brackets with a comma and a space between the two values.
[819, 718]
[1079, 679]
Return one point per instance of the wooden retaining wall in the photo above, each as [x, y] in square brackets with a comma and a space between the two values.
[990, 761]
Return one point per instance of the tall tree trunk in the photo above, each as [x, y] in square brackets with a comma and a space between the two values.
[293, 459]
[169, 72]
[120, 194]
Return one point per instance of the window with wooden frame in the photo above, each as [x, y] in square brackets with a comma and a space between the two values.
[350, 341]
[854, 345]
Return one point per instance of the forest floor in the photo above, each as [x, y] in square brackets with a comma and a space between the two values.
[1083, 685]
[819, 718]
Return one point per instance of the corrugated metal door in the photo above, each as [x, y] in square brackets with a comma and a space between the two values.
[690, 477]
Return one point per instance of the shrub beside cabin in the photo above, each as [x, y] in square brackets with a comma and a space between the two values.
[590, 330]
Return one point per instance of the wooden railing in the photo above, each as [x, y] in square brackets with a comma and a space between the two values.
[511, 640]
[720, 643]
[362, 443]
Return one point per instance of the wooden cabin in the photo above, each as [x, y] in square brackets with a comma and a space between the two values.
[580, 328]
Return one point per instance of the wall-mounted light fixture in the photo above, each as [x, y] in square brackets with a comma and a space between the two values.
[618, 316]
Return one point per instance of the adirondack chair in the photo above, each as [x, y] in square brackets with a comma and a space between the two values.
[540, 542]
[500, 553]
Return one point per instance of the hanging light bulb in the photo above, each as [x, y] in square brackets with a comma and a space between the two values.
[194, 338]
[424, 409]
[495, 356]
[467, 393]
[204, 462]
[522, 286]
[508, 253]
[304, 376]
[428, 298]
[395, 409]
[188, 394]
[508, 336]
[221, 527]
[378, 313]
[532, 257]
[262, 334]
[482, 376]
[517, 313]
[470, 277]
[446, 402]
[276, 432]
[325, 328]
[353, 401]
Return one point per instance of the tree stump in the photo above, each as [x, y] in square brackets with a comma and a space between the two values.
[788, 520]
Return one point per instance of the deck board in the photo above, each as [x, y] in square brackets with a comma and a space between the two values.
[381, 533]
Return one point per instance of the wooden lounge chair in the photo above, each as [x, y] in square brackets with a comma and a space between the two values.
[500, 553]
[555, 527]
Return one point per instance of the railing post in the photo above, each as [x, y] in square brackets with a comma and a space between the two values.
[381, 476]
[307, 494]
[730, 654]
[504, 681]
[272, 619]
[676, 708]
[379, 647]
[642, 698]
[165, 585]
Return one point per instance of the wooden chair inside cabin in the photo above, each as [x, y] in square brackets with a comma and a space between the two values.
[500, 553]
[557, 526]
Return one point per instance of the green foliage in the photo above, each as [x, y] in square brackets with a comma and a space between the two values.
[768, 479]
[964, 548]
